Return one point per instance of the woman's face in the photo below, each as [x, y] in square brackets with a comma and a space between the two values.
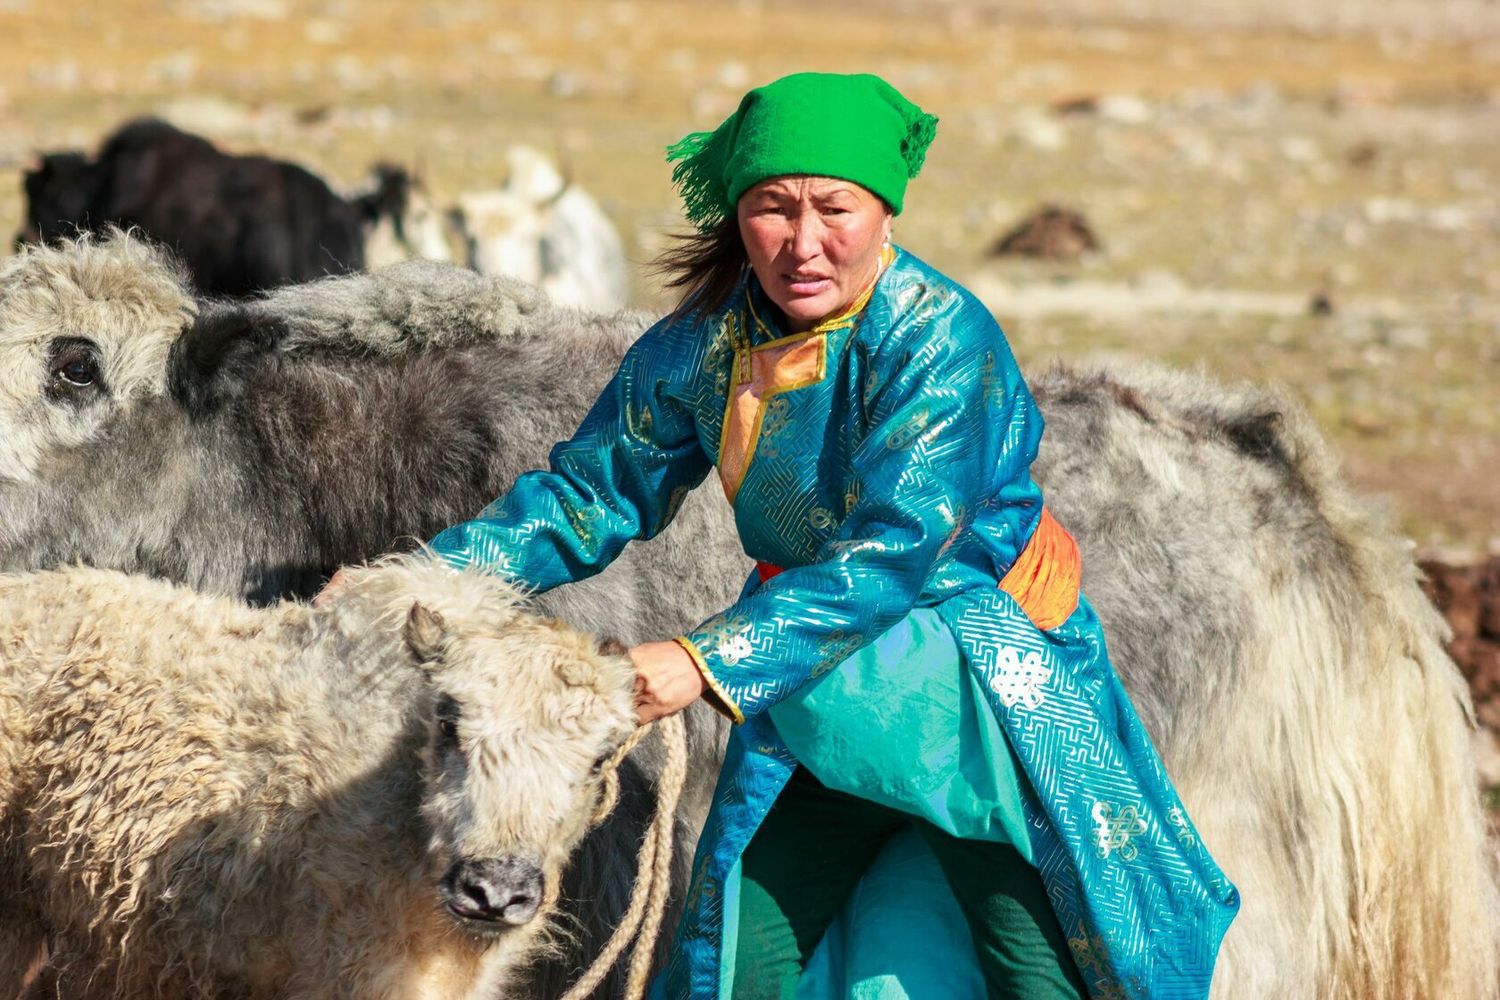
[814, 242]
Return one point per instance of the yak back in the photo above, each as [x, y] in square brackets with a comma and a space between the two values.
[240, 223]
[382, 408]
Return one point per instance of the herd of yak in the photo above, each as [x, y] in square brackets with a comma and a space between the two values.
[210, 788]
[243, 224]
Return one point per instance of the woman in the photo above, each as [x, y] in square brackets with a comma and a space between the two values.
[913, 635]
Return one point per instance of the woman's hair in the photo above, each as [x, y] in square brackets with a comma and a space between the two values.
[703, 266]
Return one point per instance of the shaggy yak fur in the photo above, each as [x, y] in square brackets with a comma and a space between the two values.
[369, 799]
[254, 451]
[240, 223]
[1269, 628]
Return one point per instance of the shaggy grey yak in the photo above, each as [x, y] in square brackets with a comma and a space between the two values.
[1269, 628]
[253, 452]
[369, 799]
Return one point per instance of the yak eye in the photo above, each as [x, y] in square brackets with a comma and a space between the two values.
[77, 372]
[447, 720]
[74, 365]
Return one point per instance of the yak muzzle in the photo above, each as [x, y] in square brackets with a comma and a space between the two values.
[493, 891]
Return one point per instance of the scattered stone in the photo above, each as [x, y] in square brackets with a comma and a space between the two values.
[350, 71]
[1161, 282]
[1039, 132]
[1052, 233]
[733, 74]
[209, 115]
[313, 114]
[1382, 210]
[324, 31]
[231, 10]
[503, 43]
[1366, 423]
[1450, 218]
[563, 84]
[1410, 338]
[1085, 105]
[1125, 109]
[174, 70]
[1299, 149]
[1321, 304]
[64, 75]
[1363, 155]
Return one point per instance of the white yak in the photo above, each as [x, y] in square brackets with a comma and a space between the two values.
[369, 799]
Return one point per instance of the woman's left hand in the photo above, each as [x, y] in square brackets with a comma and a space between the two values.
[666, 680]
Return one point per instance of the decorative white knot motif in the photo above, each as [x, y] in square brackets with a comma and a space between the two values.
[1019, 681]
[1179, 819]
[1116, 830]
[733, 650]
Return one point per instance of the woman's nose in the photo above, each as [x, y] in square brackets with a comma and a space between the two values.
[807, 238]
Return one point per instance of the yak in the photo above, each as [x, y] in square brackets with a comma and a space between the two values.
[542, 228]
[306, 431]
[368, 799]
[241, 223]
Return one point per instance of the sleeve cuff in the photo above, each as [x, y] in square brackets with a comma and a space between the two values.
[717, 696]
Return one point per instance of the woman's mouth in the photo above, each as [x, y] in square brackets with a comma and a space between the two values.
[807, 284]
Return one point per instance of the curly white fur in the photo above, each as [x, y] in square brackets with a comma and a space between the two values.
[1270, 629]
[198, 799]
[124, 294]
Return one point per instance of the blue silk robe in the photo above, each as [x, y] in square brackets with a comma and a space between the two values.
[881, 459]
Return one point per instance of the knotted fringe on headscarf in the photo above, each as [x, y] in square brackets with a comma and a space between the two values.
[699, 175]
[921, 129]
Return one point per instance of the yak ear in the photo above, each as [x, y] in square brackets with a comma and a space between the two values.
[426, 633]
[213, 358]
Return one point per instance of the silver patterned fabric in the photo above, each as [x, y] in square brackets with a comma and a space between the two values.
[881, 459]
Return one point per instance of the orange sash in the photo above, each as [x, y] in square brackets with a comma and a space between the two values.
[1047, 574]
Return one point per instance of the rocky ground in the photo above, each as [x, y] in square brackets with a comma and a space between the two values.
[1469, 596]
[1302, 192]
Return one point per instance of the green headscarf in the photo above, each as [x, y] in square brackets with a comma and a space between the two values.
[856, 127]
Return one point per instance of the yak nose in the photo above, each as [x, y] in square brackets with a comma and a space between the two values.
[507, 890]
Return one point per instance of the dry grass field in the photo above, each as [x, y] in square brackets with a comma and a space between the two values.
[1234, 159]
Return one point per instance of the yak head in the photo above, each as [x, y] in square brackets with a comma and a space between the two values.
[507, 230]
[401, 221]
[523, 716]
[86, 326]
[60, 189]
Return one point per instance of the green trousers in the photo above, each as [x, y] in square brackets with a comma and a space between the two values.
[814, 845]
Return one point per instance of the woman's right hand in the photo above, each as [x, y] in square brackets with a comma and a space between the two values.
[666, 680]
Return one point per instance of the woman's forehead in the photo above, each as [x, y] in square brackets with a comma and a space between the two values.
[808, 185]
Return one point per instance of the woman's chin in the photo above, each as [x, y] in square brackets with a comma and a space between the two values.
[803, 311]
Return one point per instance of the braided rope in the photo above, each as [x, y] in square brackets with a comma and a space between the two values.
[642, 918]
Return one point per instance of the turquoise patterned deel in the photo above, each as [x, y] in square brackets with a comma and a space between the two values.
[882, 461]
